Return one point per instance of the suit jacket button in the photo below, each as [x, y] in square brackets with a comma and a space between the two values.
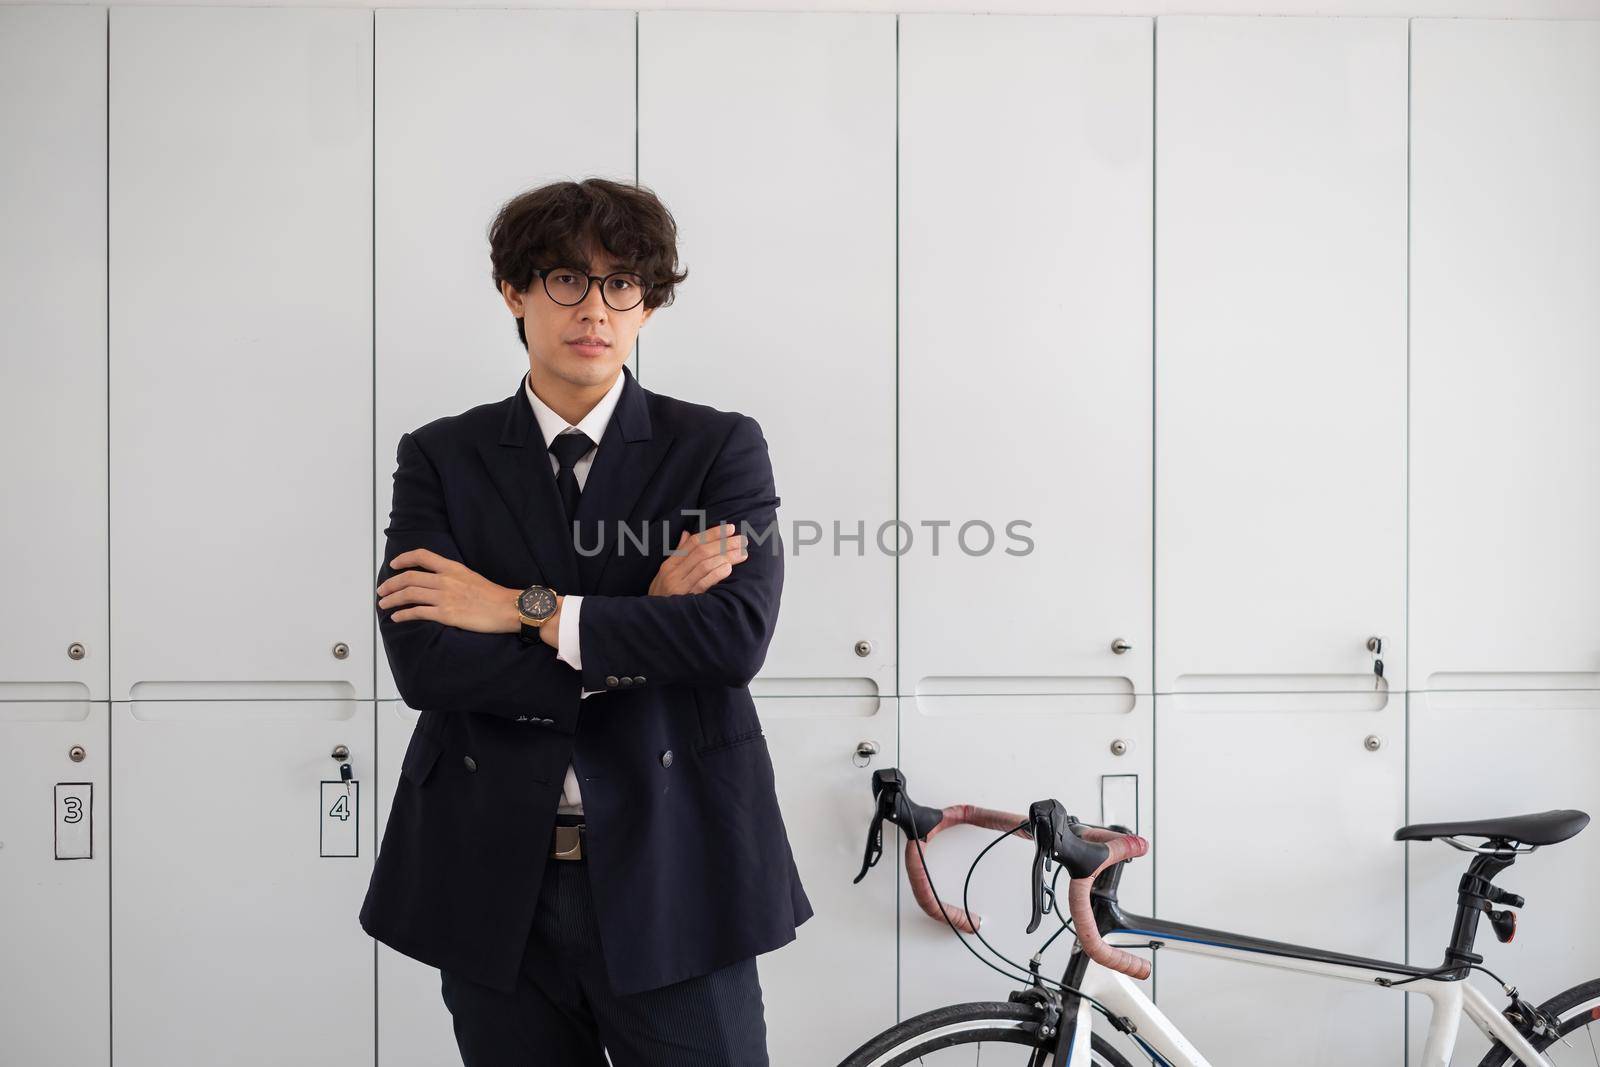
[638, 680]
[472, 764]
[666, 758]
[548, 722]
[522, 718]
[625, 681]
[611, 680]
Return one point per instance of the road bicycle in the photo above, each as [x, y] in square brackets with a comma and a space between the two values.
[1053, 1023]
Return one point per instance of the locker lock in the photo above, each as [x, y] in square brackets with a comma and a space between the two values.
[864, 752]
[342, 754]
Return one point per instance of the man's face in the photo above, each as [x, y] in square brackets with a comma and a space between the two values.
[553, 327]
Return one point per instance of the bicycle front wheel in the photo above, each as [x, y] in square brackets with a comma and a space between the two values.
[1579, 1033]
[993, 1033]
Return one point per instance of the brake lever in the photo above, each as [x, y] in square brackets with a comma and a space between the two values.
[1047, 818]
[887, 785]
[914, 820]
[874, 846]
[1038, 888]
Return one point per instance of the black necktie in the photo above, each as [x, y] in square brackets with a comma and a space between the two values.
[568, 448]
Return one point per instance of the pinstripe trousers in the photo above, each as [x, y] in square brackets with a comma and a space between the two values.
[564, 1013]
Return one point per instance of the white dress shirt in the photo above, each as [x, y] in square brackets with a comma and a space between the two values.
[594, 425]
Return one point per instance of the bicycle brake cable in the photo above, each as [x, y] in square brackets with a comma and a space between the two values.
[1031, 977]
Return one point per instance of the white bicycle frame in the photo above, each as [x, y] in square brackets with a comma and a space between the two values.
[1123, 996]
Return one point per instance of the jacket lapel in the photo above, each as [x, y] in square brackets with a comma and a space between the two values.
[629, 453]
[519, 466]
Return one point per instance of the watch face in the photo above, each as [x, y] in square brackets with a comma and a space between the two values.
[537, 602]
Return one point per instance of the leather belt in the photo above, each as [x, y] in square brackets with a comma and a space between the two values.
[567, 841]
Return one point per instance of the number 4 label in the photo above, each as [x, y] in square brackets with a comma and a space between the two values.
[341, 821]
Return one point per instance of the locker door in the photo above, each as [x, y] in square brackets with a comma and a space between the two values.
[1280, 353]
[241, 855]
[771, 138]
[1007, 755]
[1480, 755]
[454, 88]
[55, 1006]
[53, 403]
[1279, 823]
[842, 960]
[1024, 446]
[1280, 518]
[241, 352]
[55, 884]
[1505, 413]
[1025, 412]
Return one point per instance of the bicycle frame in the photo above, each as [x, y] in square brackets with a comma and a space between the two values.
[1119, 993]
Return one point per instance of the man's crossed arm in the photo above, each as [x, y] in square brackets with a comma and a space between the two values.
[451, 635]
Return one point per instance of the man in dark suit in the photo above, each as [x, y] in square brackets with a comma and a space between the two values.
[585, 836]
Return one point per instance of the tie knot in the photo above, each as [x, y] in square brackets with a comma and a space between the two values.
[570, 447]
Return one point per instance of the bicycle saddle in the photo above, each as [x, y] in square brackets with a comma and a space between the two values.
[1545, 828]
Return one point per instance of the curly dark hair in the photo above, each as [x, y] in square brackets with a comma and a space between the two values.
[552, 225]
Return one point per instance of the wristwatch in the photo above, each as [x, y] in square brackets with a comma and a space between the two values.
[535, 605]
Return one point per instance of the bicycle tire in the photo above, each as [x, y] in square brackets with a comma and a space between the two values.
[1585, 993]
[1002, 1022]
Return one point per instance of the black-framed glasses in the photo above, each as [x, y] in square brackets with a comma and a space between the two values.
[621, 290]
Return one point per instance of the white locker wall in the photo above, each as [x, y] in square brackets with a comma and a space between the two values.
[1024, 392]
[240, 350]
[233, 937]
[1280, 520]
[1505, 417]
[241, 353]
[55, 952]
[53, 299]
[1505, 366]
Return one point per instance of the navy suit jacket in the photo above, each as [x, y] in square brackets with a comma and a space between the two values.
[689, 860]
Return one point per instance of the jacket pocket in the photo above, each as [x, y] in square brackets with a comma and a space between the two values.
[421, 754]
[732, 742]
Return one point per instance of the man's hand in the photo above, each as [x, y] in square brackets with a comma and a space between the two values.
[707, 560]
[450, 593]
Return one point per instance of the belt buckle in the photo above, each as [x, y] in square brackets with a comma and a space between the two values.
[568, 843]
